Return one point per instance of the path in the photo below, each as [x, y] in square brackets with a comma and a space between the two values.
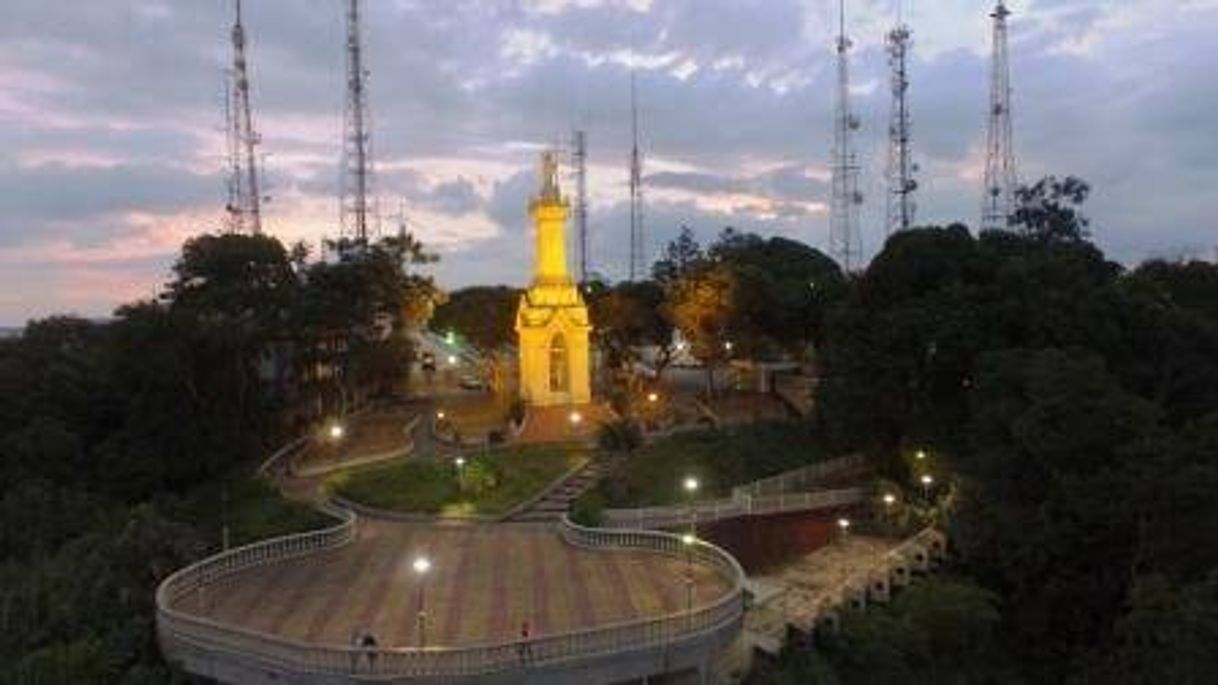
[558, 501]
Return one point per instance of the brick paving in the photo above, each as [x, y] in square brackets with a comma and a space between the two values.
[485, 581]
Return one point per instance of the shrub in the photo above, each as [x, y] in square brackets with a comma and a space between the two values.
[622, 435]
[479, 478]
[589, 511]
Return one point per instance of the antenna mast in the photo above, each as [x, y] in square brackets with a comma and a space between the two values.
[244, 202]
[845, 243]
[998, 201]
[637, 266]
[580, 160]
[901, 168]
[357, 172]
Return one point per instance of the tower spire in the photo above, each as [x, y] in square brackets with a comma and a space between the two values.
[357, 158]
[244, 202]
[901, 168]
[638, 268]
[845, 242]
[998, 201]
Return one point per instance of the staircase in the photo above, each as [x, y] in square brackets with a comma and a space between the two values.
[558, 500]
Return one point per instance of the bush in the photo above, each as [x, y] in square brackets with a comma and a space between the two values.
[479, 478]
[589, 511]
[622, 435]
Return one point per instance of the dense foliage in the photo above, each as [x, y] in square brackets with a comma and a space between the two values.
[126, 445]
[1073, 406]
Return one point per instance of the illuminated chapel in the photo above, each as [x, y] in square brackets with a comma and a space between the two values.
[552, 324]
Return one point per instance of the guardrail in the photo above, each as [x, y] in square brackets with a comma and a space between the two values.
[181, 633]
[876, 582]
[738, 505]
[802, 477]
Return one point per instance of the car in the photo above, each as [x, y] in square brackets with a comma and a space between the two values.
[471, 383]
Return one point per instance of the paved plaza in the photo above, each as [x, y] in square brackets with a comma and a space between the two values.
[485, 581]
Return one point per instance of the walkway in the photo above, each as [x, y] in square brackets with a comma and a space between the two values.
[797, 593]
[558, 501]
[485, 580]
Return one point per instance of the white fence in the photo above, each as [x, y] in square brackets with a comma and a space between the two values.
[738, 505]
[180, 631]
[803, 477]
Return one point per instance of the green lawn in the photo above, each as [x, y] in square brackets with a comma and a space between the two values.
[493, 484]
[719, 459]
[253, 509]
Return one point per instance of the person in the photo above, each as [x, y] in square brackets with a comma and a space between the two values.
[524, 648]
[368, 642]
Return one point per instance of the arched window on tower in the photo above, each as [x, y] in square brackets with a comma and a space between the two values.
[559, 376]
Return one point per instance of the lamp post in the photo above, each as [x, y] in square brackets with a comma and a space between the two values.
[843, 525]
[691, 491]
[927, 480]
[421, 566]
[460, 462]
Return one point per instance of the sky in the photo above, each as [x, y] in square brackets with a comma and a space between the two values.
[112, 141]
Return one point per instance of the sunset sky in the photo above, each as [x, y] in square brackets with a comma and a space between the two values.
[111, 123]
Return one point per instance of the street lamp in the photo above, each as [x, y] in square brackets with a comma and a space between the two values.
[452, 360]
[440, 415]
[337, 431]
[652, 397]
[460, 462]
[575, 417]
[728, 345]
[927, 481]
[890, 499]
[421, 566]
[843, 524]
[920, 454]
[691, 490]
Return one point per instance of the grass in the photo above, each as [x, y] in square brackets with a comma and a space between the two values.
[253, 509]
[431, 487]
[719, 459]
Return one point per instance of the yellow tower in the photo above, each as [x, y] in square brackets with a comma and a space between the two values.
[552, 321]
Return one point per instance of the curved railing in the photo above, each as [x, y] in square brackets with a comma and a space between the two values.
[180, 631]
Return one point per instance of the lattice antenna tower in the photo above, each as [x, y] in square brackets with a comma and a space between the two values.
[579, 160]
[845, 241]
[638, 267]
[998, 201]
[357, 143]
[244, 206]
[901, 168]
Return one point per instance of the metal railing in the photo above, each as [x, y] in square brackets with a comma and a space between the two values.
[802, 477]
[740, 504]
[180, 632]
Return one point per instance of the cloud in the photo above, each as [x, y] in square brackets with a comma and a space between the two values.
[111, 144]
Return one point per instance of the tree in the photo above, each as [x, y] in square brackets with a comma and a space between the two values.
[703, 305]
[483, 316]
[1049, 513]
[630, 316]
[680, 256]
[1047, 211]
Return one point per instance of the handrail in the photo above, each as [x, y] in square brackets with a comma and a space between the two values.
[802, 476]
[738, 505]
[180, 630]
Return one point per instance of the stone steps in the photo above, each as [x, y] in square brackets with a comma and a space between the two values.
[558, 502]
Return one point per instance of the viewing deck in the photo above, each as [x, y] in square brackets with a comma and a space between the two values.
[485, 581]
[601, 606]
